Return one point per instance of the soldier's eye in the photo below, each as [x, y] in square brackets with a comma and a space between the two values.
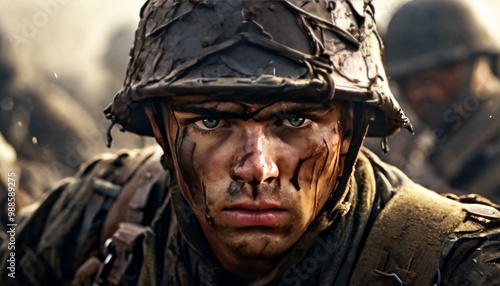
[207, 123]
[296, 122]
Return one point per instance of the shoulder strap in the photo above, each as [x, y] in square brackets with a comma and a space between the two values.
[123, 245]
[405, 244]
[125, 221]
[113, 188]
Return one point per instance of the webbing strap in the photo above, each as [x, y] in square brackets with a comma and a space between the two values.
[103, 197]
[405, 243]
[121, 252]
[125, 197]
[121, 246]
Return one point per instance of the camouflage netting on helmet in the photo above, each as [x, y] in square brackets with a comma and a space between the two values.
[257, 51]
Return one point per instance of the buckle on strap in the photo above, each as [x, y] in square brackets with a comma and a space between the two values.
[120, 250]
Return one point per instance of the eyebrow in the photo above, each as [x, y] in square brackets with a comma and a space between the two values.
[246, 114]
[211, 111]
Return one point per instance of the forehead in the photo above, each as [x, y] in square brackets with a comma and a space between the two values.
[192, 103]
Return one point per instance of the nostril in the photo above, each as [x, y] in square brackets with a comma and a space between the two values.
[254, 182]
[269, 180]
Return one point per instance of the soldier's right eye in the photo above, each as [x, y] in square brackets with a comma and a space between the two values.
[207, 124]
[297, 122]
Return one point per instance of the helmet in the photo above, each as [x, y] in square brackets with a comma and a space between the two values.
[257, 50]
[429, 33]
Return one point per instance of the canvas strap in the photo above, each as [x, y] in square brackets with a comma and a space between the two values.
[405, 243]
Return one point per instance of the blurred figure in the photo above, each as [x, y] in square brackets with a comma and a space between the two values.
[440, 55]
[49, 133]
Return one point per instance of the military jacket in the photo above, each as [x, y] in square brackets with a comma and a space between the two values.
[384, 230]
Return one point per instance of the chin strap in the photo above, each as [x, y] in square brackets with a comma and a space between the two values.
[362, 117]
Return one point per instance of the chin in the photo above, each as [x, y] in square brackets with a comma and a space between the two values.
[258, 246]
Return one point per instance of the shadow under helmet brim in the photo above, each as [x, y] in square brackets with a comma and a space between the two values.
[127, 109]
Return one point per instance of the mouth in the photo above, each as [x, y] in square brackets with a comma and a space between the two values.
[255, 214]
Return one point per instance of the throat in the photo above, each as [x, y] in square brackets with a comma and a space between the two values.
[246, 270]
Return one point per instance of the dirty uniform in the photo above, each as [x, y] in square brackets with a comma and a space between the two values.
[385, 229]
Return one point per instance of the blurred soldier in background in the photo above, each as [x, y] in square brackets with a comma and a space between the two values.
[43, 127]
[440, 55]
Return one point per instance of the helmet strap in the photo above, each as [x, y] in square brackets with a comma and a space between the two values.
[362, 118]
[154, 111]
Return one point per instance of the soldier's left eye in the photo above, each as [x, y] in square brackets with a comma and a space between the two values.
[296, 122]
[207, 123]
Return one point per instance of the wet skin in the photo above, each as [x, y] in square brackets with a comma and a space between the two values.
[255, 175]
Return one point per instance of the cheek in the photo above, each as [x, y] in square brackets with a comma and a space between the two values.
[190, 182]
[319, 160]
[203, 167]
[318, 171]
[327, 170]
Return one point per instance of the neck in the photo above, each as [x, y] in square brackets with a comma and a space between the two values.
[245, 268]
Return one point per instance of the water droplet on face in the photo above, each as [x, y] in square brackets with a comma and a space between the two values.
[34, 140]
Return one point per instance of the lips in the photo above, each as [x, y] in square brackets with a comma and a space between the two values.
[255, 214]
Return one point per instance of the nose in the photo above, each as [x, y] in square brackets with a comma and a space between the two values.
[256, 165]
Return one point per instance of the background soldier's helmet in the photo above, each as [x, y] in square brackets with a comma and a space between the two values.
[429, 33]
[257, 51]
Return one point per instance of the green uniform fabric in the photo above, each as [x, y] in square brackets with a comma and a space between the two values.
[175, 252]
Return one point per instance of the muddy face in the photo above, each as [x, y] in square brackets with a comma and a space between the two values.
[255, 175]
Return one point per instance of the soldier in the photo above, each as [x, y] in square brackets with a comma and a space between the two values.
[439, 54]
[260, 109]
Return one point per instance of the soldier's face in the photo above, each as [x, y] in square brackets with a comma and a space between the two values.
[429, 92]
[255, 175]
